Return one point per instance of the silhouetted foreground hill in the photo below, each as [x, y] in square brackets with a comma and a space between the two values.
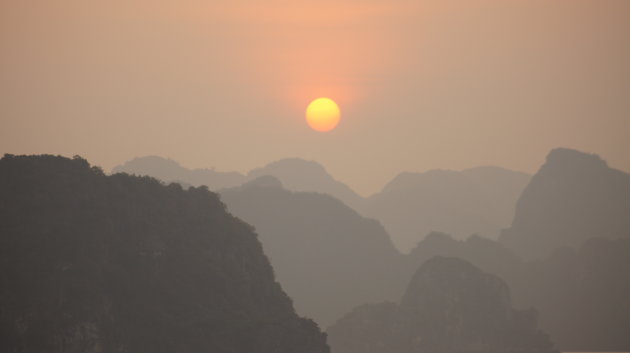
[326, 256]
[573, 197]
[450, 306]
[474, 201]
[96, 263]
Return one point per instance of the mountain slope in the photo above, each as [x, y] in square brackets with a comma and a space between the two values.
[326, 256]
[573, 197]
[297, 174]
[582, 295]
[96, 263]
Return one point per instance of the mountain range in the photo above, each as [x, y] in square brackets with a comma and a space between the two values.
[565, 254]
[474, 201]
[326, 256]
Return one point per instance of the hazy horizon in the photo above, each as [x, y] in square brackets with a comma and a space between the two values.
[430, 85]
[370, 192]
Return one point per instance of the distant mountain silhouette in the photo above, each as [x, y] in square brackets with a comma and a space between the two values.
[474, 201]
[265, 181]
[582, 296]
[487, 254]
[301, 175]
[94, 263]
[450, 306]
[326, 256]
[573, 197]
[295, 174]
[169, 170]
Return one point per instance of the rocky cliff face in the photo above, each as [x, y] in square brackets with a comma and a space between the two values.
[450, 306]
[95, 263]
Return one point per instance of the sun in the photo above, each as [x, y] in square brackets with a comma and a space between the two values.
[323, 114]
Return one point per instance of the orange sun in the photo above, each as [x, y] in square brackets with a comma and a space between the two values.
[322, 114]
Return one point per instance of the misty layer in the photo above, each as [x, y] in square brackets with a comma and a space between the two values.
[90, 257]
[474, 201]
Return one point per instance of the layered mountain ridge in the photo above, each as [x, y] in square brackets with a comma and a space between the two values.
[573, 208]
[474, 201]
[327, 256]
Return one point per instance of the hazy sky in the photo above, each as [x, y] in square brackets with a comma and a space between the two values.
[224, 84]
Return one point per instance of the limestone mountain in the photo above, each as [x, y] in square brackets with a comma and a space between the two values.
[474, 201]
[326, 256]
[94, 263]
[573, 197]
[297, 174]
[450, 306]
[582, 295]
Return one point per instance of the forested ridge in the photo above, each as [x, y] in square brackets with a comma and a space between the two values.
[97, 263]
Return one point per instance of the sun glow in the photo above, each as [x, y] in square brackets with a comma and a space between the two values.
[323, 114]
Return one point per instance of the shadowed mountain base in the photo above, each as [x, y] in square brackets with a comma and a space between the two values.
[450, 306]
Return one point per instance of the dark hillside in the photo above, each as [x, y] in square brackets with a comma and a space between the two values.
[96, 263]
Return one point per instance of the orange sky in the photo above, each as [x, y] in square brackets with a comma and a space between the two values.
[421, 84]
